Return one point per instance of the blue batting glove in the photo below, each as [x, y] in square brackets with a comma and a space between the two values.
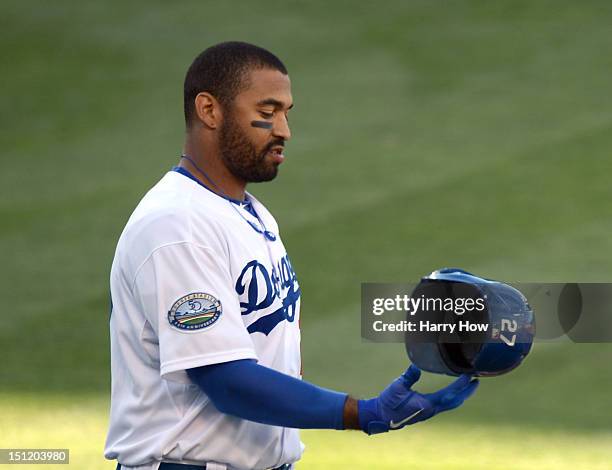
[398, 405]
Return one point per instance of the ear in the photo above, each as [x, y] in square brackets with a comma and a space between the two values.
[208, 110]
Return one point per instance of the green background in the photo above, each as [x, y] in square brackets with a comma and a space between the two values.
[425, 134]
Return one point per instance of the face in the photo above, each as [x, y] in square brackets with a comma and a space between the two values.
[253, 154]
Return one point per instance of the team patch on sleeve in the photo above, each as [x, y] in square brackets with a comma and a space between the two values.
[195, 312]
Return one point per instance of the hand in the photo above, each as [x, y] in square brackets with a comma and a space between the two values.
[398, 405]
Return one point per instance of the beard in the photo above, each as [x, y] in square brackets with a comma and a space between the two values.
[241, 157]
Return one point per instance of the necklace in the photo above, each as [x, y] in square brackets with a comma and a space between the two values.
[268, 235]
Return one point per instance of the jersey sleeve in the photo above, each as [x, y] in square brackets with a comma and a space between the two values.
[186, 293]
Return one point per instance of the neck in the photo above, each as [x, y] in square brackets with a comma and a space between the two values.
[224, 181]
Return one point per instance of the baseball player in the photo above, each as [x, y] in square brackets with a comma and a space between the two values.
[205, 338]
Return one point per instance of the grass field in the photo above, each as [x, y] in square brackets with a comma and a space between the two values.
[449, 443]
[425, 134]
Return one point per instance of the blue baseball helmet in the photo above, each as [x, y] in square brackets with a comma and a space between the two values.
[498, 346]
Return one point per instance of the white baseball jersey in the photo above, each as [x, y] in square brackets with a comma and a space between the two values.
[193, 284]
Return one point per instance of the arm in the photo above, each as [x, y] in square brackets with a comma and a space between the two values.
[257, 393]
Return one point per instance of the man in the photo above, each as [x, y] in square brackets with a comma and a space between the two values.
[205, 339]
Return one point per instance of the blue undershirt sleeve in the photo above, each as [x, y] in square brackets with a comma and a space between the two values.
[257, 393]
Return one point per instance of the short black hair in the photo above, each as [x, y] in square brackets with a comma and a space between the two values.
[221, 71]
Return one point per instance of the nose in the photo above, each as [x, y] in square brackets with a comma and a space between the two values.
[281, 128]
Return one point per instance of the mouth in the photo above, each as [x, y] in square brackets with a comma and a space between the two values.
[277, 153]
